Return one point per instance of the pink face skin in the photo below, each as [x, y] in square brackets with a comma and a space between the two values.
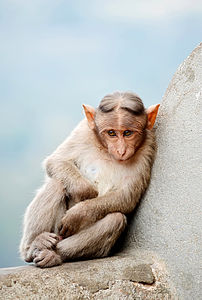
[120, 131]
[122, 144]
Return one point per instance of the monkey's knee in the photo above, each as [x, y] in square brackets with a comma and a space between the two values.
[117, 220]
[115, 224]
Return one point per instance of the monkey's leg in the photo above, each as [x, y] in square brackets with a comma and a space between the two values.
[94, 241]
[42, 218]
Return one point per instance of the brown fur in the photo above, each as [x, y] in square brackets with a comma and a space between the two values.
[98, 178]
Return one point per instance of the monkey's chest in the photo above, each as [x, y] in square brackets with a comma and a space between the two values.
[91, 172]
[103, 175]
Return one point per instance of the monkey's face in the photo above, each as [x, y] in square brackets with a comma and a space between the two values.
[121, 134]
[121, 144]
[120, 123]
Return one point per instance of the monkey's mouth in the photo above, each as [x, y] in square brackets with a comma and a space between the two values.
[122, 160]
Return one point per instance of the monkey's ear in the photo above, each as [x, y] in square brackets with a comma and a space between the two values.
[151, 114]
[90, 115]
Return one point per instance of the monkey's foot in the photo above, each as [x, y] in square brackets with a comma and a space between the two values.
[47, 258]
[45, 240]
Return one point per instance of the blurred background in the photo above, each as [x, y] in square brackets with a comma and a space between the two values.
[56, 55]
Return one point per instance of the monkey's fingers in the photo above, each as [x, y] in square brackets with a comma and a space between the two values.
[46, 240]
[55, 236]
[50, 243]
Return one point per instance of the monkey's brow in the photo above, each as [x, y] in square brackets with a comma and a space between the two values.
[133, 112]
[106, 109]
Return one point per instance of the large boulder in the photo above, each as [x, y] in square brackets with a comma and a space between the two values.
[168, 221]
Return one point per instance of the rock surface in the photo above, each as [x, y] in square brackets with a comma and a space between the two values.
[117, 277]
[168, 220]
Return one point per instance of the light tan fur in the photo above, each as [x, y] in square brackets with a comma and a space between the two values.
[86, 194]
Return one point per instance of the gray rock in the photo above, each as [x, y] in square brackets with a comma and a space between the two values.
[117, 277]
[168, 220]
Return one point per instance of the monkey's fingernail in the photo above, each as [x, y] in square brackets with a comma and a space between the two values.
[60, 237]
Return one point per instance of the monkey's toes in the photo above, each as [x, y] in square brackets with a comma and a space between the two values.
[47, 258]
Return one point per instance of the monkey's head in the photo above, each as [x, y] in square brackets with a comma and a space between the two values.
[120, 122]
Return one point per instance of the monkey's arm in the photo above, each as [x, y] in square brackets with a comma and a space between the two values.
[121, 200]
[77, 186]
[88, 212]
[61, 164]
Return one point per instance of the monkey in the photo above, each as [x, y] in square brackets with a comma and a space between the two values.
[93, 180]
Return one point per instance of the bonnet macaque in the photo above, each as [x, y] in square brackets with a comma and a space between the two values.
[94, 179]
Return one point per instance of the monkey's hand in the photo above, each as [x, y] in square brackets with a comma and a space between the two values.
[81, 190]
[76, 218]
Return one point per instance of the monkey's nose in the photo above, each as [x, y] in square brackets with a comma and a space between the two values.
[121, 152]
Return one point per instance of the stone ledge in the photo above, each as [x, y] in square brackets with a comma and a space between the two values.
[118, 277]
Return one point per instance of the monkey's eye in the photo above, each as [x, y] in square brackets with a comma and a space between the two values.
[127, 133]
[111, 133]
